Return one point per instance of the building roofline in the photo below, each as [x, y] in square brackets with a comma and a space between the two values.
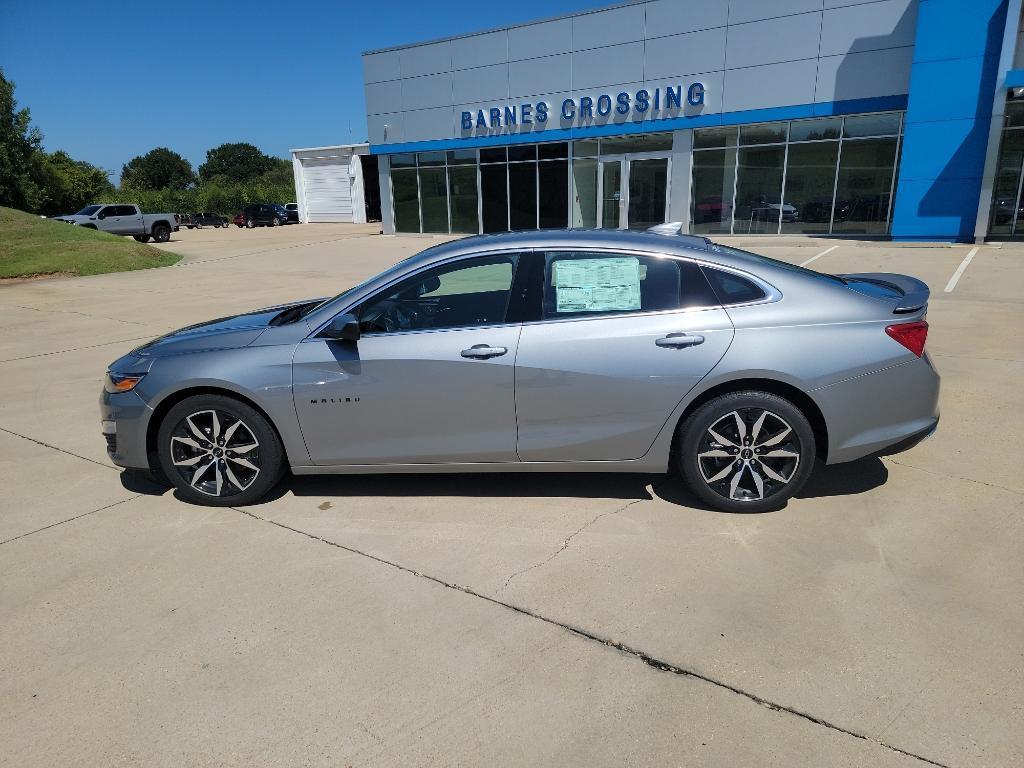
[331, 146]
[504, 28]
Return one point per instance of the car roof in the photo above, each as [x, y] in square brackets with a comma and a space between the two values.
[693, 246]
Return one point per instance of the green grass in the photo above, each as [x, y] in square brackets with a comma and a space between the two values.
[31, 246]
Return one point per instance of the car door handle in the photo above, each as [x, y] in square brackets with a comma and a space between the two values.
[680, 340]
[483, 352]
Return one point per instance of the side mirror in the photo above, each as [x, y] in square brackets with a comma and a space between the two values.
[342, 328]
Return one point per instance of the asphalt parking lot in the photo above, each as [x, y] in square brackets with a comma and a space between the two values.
[503, 620]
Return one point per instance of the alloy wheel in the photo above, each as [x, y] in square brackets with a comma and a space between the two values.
[216, 453]
[748, 454]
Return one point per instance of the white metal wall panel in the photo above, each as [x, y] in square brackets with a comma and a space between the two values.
[327, 188]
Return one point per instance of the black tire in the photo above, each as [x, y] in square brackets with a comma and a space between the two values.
[222, 480]
[275, 221]
[710, 466]
[250, 224]
[199, 226]
[161, 233]
[141, 238]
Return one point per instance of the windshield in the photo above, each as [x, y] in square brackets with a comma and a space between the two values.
[89, 210]
[717, 248]
[278, 208]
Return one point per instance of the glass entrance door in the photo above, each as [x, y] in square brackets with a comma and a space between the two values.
[648, 193]
[610, 214]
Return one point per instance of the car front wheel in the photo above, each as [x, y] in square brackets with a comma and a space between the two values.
[746, 451]
[250, 224]
[218, 451]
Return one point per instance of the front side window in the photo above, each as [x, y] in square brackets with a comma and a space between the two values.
[465, 293]
[589, 284]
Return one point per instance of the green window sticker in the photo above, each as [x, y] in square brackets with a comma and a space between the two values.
[597, 285]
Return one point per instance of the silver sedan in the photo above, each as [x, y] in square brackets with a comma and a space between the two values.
[541, 352]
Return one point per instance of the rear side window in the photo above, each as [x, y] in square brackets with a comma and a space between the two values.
[593, 284]
[733, 289]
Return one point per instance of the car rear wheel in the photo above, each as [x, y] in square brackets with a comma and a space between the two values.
[250, 224]
[218, 451]
[161, 233]
[746, 451]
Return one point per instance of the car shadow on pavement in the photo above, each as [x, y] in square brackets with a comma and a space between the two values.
[836, 480]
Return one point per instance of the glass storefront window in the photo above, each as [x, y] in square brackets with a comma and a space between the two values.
[431, 158]
[714, 174]
[553, 185]
[406, 199]
[585, 148]
[758, 190]
[403, 160]
[611, 194]
[644, 142]
[584, 205]
[816, 130]
[522, 195]
[462, 157]
[1004, 220]
[709, 138]
[555, 151]
[494, 197]
[886, 124]
[810, 181]
[648, 191]
[765, 133]
[1014, 113]
[463, 198]
[434, 199]
[864, 186]
[493, 155]
[522, 152]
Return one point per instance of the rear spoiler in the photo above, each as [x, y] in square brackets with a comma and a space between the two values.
[915, 292]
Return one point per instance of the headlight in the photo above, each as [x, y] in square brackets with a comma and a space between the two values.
[121, 382]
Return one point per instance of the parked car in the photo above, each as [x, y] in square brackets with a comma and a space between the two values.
[239, 220]
[186, 220]
[293, 212]
[264, 215]
[124, 219]
[209, 220]
[605, 351]
[712, 208]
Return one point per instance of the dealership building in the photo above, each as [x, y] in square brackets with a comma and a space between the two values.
[890, 118]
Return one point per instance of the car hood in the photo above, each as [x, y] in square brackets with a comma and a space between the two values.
[224, 333]
[71, 217]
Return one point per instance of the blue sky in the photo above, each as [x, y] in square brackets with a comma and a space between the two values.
[106, 85]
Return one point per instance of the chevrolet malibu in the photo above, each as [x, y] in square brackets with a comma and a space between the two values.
[572, 351]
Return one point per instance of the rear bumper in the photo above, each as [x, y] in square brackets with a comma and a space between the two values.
[882, 412]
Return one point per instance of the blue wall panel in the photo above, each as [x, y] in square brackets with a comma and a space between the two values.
[952, 79]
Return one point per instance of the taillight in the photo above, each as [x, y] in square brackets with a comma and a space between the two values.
[910, 335]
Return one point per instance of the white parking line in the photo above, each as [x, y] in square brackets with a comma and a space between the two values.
[815, 258]
[960, 270]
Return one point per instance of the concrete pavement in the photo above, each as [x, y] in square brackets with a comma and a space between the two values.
[503, 620]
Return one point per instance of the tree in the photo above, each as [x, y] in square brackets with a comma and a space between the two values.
[237, 162]
[159, 168]
[19, 141]
[68, 184]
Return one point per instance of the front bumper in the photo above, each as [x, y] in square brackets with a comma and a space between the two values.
[124, 419]
[880, 412]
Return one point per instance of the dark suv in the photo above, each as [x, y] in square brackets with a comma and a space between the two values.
[264, 215]
[209, 220]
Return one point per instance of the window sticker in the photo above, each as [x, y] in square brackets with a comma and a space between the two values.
[597, 285]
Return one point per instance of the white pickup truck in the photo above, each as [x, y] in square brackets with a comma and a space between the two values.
[122, 219]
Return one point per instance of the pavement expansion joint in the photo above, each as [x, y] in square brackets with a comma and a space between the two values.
[62, 450]
[71, 519]
[650, 661]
